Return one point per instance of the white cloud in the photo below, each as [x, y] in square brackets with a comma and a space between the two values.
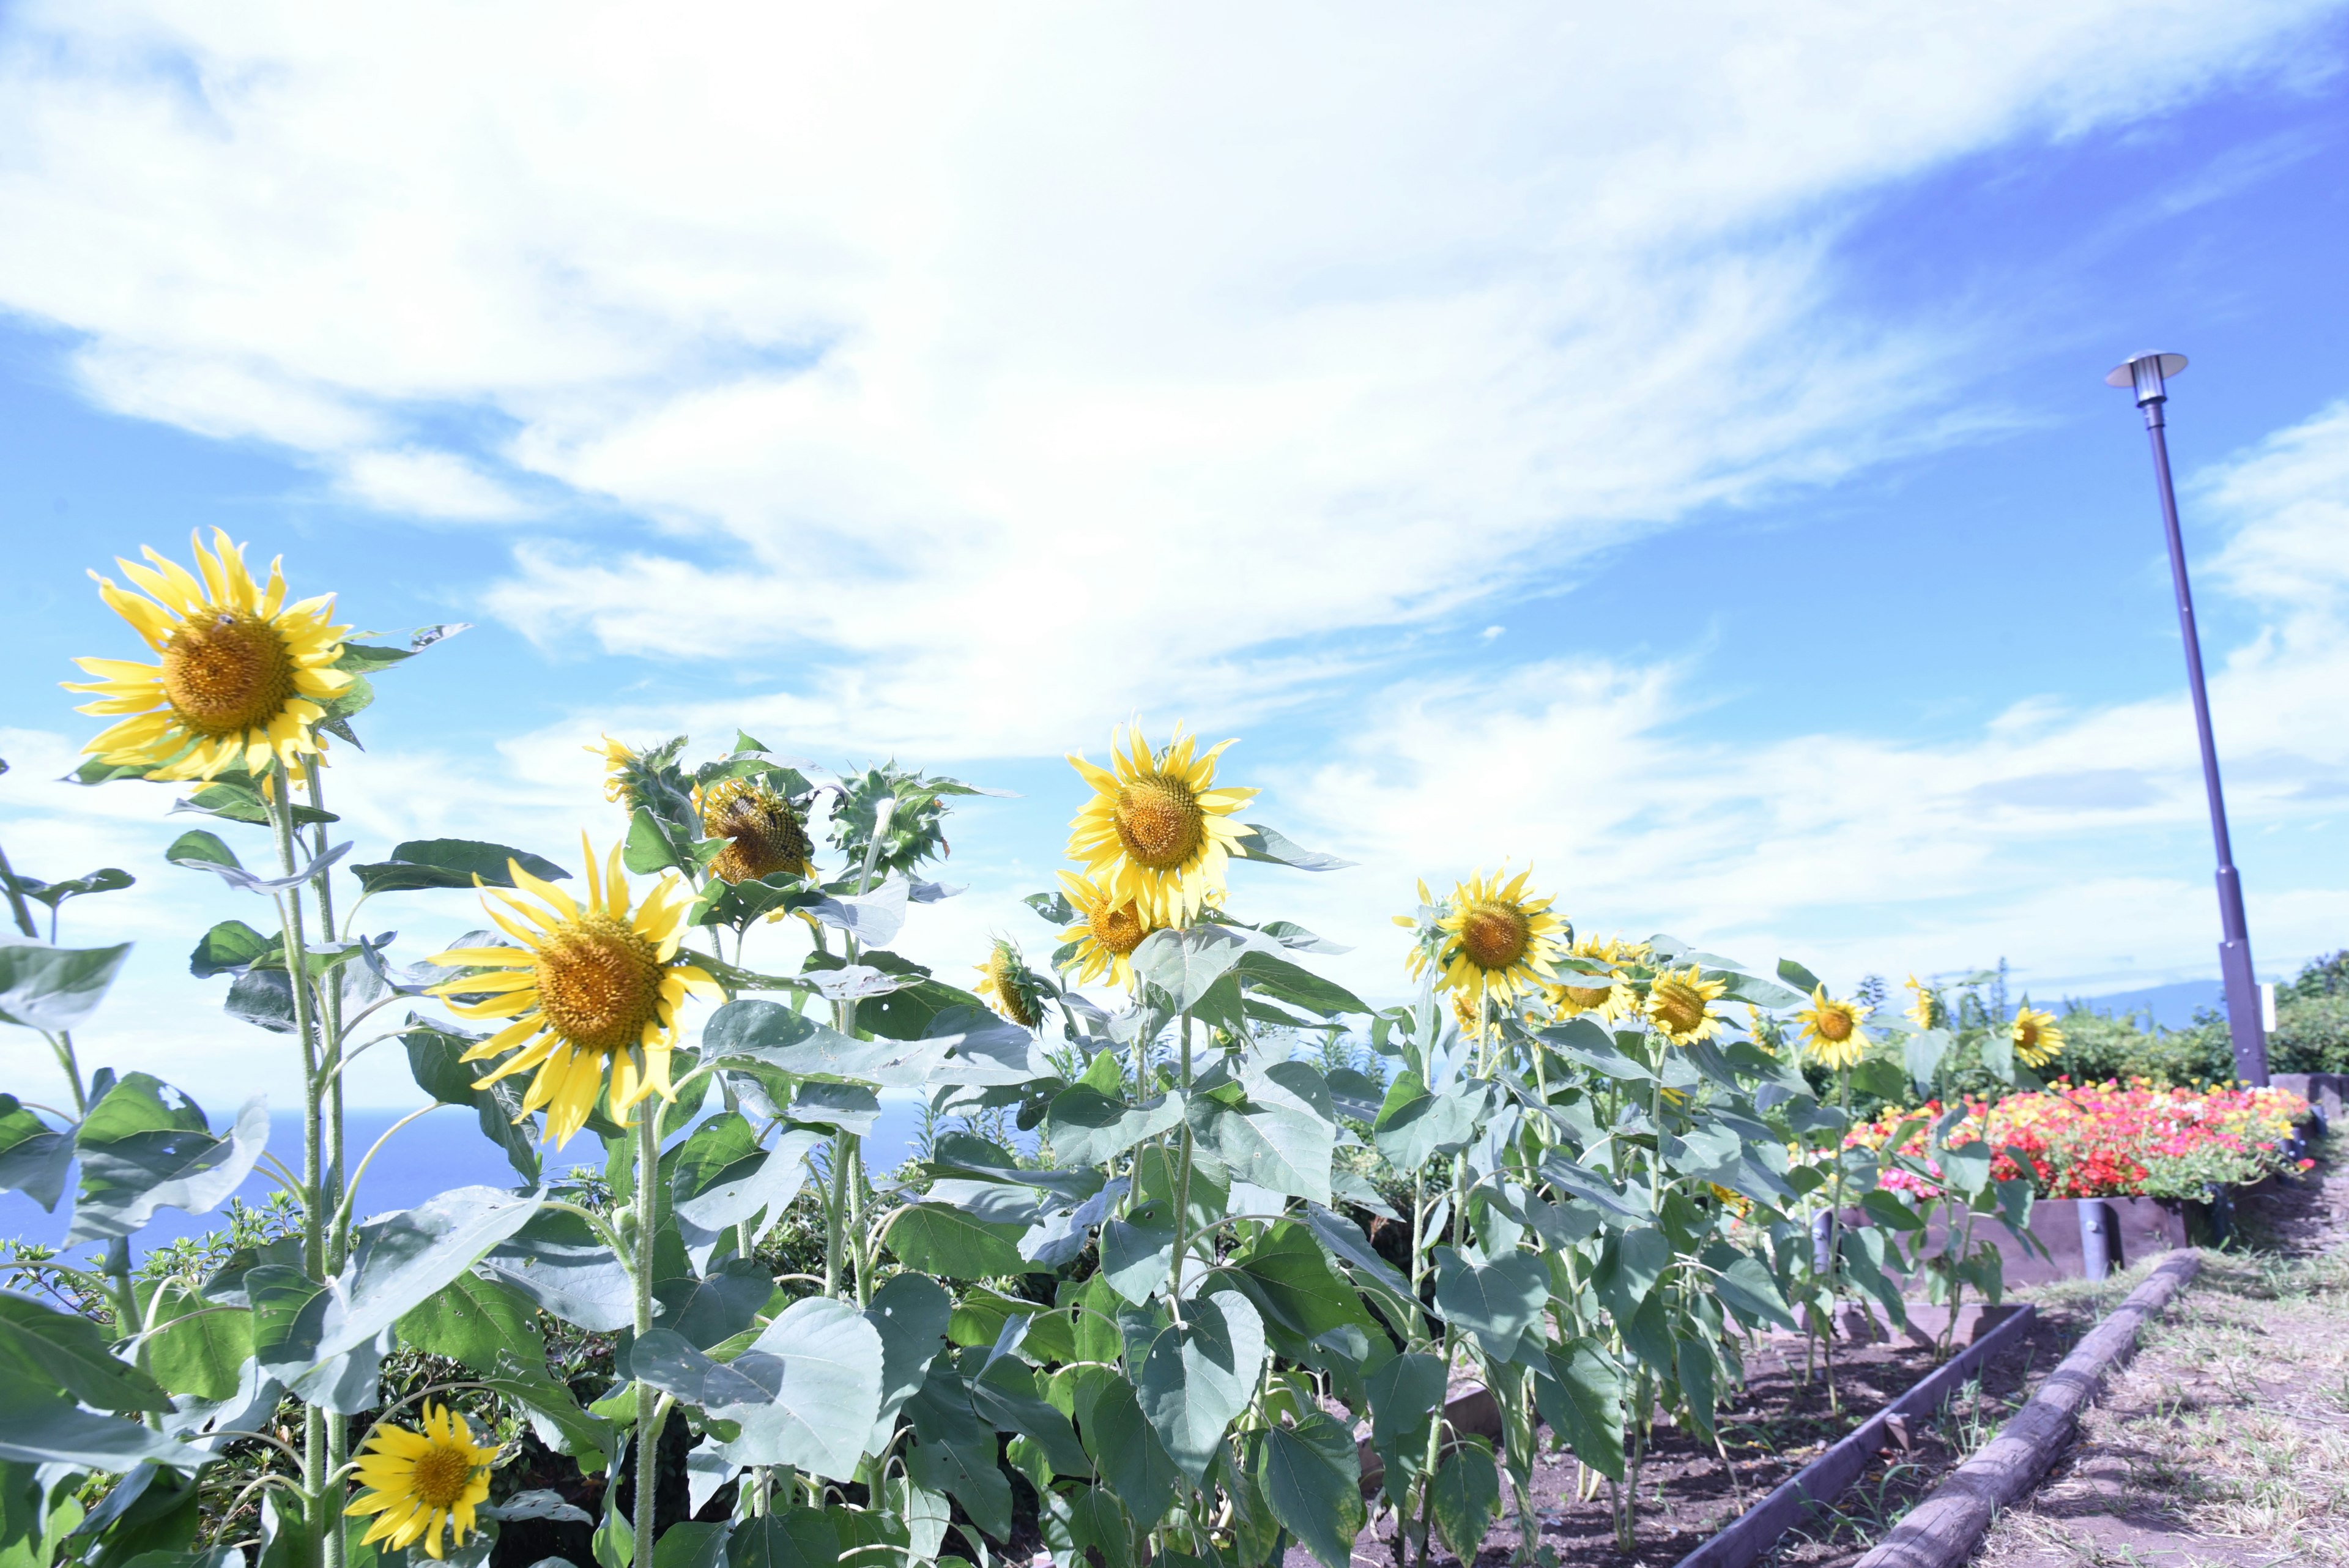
[996, 371]
[1160, 332]
[2030, 836]
[428, 485]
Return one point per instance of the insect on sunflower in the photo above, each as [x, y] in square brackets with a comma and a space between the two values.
[1832, 1032]
[2037, 1038]
[1109, 929]
[1158, 831]
[420, 1480]
[591, 986]
[241, 675]
[1680, 1004]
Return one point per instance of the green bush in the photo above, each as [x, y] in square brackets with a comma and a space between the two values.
[2311, 1036]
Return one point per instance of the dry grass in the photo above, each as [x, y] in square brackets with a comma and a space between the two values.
[2226, 1441]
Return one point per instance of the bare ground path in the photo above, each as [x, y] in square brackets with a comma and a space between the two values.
[2227, 1441]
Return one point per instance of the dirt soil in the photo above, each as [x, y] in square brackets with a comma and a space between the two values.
[2227, 1441]
[1781, 1422]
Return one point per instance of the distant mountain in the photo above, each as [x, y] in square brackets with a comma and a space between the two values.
[2173, 1006]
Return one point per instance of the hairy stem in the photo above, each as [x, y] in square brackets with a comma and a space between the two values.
[650, 1406]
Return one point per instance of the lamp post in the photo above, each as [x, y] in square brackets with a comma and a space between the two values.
[2147, 376]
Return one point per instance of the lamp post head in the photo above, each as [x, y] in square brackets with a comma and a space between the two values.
[2147, 375]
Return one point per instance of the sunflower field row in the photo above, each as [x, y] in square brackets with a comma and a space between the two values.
[1196, 1241]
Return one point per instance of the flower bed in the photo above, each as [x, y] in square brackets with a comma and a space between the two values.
[2110, 1140]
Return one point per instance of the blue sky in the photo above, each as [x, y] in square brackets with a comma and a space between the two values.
[1670, 452]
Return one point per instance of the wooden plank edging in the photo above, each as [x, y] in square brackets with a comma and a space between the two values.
[1944, 1529]
[1751, 1535]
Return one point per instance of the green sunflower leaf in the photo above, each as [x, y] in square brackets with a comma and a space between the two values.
[423, 863]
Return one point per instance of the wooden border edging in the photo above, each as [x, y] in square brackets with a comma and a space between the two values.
[1754, 1533]
[1944, 1529]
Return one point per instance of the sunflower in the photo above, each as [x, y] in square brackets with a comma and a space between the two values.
[417, 1480]
[618, 759]
[1924, 1007]
[242, 675]
[1110, 930]
[1498, 940]
[1011, 986]
[1832, 1032]
[588, 986]
[764, 835]
[1680, 1004]
[2037, 1038]
[1612, 1000]
[1157, 832]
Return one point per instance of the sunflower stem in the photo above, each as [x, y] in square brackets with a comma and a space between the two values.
[1182, 1187]
[24, 911]
[338, 1237]
[62, 1044]
[650, 1406]
[325, 1496]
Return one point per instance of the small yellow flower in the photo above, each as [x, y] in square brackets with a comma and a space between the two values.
[1109, 931]
[2037, 1038]
[242, 676]
[1011, 986]
[1832, 1032]
[589, 987]
[1157, 832]
[1680, 1004]
[419, 1481]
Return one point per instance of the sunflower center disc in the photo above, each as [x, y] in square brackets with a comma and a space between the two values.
[1159, 822]
[763, 834]
[1119, 930]
[1588, 996]
[441, 1476]
[1495, 935]
[228, 674]
[1834, 1025]
[1676, 1006]
[599, 984]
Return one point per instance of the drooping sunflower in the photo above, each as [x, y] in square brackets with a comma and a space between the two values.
[1832, 1032]
[1498, 939]
[1924, 1006]
[419, 1481]
[591, 986]
[1109, 931]
[1011, 986]
[1157, 832]
[764, 835]
[2037, 1038]
[242, 676]
[1680, 1004]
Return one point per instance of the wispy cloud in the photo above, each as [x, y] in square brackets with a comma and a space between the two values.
[1857, 850]
[1049, 328]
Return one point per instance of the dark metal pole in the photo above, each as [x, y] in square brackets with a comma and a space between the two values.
[2146, 375]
